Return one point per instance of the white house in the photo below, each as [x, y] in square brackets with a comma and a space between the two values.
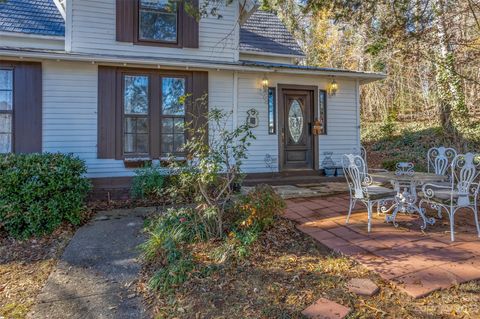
[100, 79]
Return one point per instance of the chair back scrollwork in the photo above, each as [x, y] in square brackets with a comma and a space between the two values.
[439, 159]
[363, 154]
[465, 172]
[356, 174]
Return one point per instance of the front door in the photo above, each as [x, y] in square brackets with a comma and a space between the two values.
[296, 130]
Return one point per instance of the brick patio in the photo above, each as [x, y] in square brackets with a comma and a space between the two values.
[414, 261]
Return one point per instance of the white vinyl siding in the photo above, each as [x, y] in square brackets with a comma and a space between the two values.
[93, 31]
[70, 114]
[342, 118]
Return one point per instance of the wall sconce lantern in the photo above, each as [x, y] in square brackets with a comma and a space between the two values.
[332, 88]
[265, 83]
[264, 89]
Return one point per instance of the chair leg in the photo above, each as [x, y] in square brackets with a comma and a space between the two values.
[369, 209]
[452, 224]
[475, 212]
[353, 201]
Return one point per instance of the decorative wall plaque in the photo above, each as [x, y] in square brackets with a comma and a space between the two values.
[252, 118]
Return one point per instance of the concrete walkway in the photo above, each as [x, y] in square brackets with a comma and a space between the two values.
[95, 276]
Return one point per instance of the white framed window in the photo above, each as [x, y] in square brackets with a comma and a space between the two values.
[158, 21]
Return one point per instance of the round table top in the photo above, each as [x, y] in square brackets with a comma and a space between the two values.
[417, 176]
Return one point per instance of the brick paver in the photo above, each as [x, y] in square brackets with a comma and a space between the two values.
[362, 286]
[326, 309]
[416, 262]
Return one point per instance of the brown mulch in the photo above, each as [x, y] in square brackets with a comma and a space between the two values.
[285, 273]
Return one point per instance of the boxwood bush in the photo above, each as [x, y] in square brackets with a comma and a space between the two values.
[40, 191]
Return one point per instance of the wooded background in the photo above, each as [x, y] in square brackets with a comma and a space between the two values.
[430, 50]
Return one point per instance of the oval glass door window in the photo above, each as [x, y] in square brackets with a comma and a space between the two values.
[295, 121]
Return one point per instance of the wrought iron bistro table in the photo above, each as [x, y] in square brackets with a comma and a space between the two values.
[406, 199]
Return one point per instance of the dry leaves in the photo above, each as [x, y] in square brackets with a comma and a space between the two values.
[285, 273]
[24, 269]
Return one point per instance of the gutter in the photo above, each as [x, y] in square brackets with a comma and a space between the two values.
[31, 36]
[298, 56]
[17, 53]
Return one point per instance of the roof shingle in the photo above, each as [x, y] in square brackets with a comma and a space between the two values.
[31, 16]
[263, 32]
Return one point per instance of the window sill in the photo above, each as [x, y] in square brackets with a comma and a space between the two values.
[140, 162]
[136, 162]
[158, 44]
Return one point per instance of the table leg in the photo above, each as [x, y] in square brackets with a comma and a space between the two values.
[426, 220]
[393, 216]
[405, 201]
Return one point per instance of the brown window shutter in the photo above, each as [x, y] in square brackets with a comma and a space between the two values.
[27, 108]
[125, 14]
[190, 24]
[106, 144]
[198, 107]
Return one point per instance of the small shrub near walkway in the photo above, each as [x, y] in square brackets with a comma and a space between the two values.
[40, 191]
[172, 251]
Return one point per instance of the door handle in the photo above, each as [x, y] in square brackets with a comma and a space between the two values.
[283, 135]
[310, 131]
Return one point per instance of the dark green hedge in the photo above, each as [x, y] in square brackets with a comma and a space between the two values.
[40, 191]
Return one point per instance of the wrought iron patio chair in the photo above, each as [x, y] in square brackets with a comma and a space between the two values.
[361, 186]
[439, 161]
[461, 193]
[363, 154]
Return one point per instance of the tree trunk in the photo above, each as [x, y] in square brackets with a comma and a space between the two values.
[452, 109]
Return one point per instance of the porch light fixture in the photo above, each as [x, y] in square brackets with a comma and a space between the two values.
[332, 88]
[265, 83]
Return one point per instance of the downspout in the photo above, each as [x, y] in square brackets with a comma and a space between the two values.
[357, 106]
[68, 24]
[235, 101]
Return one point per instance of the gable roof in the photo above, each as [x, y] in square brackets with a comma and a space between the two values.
[263, 32]
[39, 17]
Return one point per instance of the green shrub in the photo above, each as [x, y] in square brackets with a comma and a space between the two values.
[259, 207]
[169, 234]
[214, 171]
[177, 226]
[173, 235]
[40, 191]
[148, 183]
[181, 187]
[250, 216]
[174, 273]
